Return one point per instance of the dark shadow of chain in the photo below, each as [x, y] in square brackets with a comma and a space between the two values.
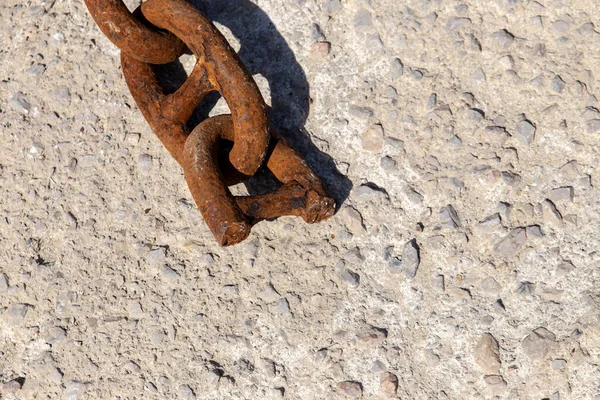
[264, 51]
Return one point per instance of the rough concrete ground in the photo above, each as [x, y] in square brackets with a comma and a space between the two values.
[463, 262]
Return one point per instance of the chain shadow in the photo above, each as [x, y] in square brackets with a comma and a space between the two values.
[264, 51]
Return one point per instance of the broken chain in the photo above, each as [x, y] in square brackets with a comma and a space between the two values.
[158, 32]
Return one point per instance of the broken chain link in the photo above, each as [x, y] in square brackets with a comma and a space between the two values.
[158, 32]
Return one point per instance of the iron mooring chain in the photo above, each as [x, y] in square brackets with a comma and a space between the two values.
[158, 32]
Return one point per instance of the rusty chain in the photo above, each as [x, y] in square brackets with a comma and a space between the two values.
[158, 32]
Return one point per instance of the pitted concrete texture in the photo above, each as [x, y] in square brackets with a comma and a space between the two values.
[460, 141]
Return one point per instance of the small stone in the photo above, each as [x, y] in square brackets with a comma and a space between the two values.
[371, 335]
[320, 50]
[374, 43]
[509, 245]
[163, 382]
[525, 131]
[507, 62]
[504, 210]
[16, 313]
[410, 258]
[145, 162]
[321, 354]
[458, 293]
[537, 344]
[396, 68]
[169, 273]
[132, 138]
[133, 367]
[3, 283]
[351, 278]
[377, 366]
[439, 283]
[503, 38]
[316, 33]
[564, 267]
[333, 7]
[473, 43]
[490, 223]
[475, 115]
[55, 375]
[391, 92]
[511, 178]
[62, 93]
[283, 306]
[551, 214]
[351, 388]
[431, 101]
[72, 166]
[150, 387]
[557, 84]
[455, 141]
[361, 112]
[457, 22]
[20, 104]
[11, 387]
[490, 286]
[55, 335]
[354, 256]
[412, 195]
[560, 26]
[372, 139]
[135, 309]
[586, 29]
[449, 217]
[559, 363]
[562, 194]
[417, 74]
[552, 295]
[487, 354]
[534, 231]
[370, 192]
[363, 19]
[478, 76]
[156, 256]
[388, 164]
[353, 220]
[121, 215]
[388, 383]
[36, 70]
[593, 125]
[186, 392]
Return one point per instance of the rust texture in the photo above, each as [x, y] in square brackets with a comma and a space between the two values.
[218, 68]
[230, 218]
[132, 35]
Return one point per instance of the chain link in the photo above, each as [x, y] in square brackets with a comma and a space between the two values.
[158, 32]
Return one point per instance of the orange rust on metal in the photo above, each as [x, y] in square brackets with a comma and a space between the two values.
[229, 217]
[130, 34]
[225, 72]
